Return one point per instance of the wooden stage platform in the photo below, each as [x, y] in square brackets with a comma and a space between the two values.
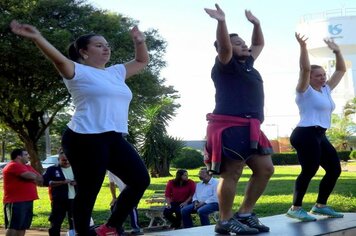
[282, 225]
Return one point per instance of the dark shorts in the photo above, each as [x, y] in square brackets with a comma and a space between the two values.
[236, 143]
[18, 215]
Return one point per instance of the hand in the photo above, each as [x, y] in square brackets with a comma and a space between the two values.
[251, 18]
[301, 39]
[137, 36]
[196, 203]
[73, 182]
[25, 30]
[332, 45]
[183, 204]
[39, 180]
[217, 14]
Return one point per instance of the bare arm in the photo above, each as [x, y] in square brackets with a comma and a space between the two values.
[168, 202]
[304, 64]
[340, 64]
[141, 54]
[63, 65]
[257, 41]
[222, 34]
[113, 193]
[57, 183]
[36, 178]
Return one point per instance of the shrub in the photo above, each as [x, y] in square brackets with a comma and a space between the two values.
[344, 155]
[353, 155]
[285, 158]
[188, 158]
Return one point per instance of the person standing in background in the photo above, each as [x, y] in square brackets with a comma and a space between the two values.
[114, 182]
[61, 187]
[19, 188]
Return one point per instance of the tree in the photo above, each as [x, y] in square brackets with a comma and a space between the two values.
[342, 126]
[31, 89]
[340, 131]
[8, 140]
[350, 107]
[156, 146]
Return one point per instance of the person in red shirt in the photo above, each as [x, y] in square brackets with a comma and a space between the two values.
[179, 192]
[19, 185]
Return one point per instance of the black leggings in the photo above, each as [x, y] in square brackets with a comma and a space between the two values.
[90, 156]
[314, 150]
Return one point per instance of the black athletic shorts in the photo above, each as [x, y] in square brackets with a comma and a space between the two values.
[18, 215]
[236, 143]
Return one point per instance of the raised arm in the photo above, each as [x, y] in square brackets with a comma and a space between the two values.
[257, 40]
[340, 64]
[63, 65]
[304, 64]
[141, 53]
[224, 46]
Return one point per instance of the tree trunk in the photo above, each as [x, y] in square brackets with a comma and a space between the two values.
[3, 150]
[32, 150]
[165, 168]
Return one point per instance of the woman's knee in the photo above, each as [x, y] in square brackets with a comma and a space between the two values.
[146, 180]
[309, 171]
[334, 172]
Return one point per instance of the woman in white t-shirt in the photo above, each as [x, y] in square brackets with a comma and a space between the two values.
[308, 138]
[95, 132]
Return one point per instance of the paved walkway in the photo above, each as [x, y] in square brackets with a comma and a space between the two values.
[33, 232]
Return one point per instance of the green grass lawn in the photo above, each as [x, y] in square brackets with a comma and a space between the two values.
[276, 199]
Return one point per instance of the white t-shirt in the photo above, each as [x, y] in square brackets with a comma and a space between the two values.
[101, 99]
[315, 107]
[118, 182]
[68, 174]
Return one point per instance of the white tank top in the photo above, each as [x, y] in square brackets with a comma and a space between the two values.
[315, 107]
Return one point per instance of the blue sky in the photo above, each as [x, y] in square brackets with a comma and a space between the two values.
[190, 34]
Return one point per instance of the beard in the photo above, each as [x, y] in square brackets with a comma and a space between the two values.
[240, 57]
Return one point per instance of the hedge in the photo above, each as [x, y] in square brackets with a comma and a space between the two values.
[290, 158]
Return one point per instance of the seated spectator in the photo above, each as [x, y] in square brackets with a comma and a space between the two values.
[116, 181]
[179, 193]
[205, 200]
[61, 186]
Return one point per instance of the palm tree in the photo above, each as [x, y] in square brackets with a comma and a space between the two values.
[156, 147]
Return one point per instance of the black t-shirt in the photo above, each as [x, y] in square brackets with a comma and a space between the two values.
[239, 89]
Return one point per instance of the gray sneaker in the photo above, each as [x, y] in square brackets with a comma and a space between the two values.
[252, 221]
[233, 226]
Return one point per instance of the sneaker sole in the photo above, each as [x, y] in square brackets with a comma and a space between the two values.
[321, 214]
[222, 231]
[303, 220]
[261, 230]
[226, 232]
